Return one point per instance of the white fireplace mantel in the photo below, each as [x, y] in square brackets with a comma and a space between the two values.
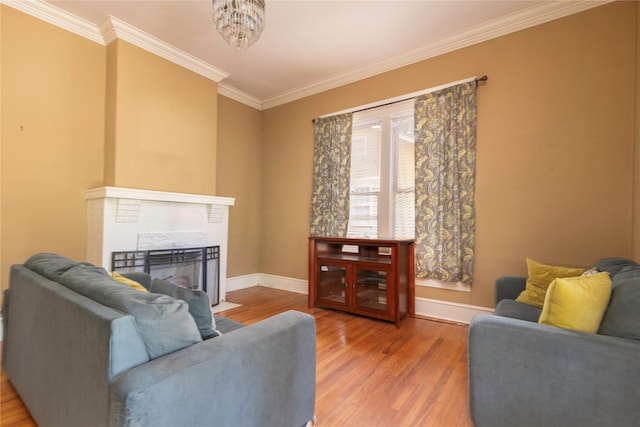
[137, 194]
[129, 219]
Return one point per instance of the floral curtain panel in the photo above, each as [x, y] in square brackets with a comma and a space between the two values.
[331, 176]
[445, 154]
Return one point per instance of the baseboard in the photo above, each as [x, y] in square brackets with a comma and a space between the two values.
[242, 282]
[426, 307]
[284, 283]
[269, 280]
[450, 311]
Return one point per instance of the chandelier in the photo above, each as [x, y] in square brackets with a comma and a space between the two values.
[239, 22]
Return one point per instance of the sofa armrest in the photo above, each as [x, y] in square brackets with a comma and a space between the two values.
[509, 287]
[259, 375]
[526, 374]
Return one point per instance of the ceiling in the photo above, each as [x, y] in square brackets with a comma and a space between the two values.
[309, 46]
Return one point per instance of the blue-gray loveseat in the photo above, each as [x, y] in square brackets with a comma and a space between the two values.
[83, 349]
[522, 373]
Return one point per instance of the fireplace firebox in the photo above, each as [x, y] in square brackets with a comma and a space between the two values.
[192, 268]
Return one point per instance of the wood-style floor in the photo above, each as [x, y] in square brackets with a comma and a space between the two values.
[369, 373]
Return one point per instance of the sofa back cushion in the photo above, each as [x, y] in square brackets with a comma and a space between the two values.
[614, 265]
[164, 323]
[51, 266]
[622, 318]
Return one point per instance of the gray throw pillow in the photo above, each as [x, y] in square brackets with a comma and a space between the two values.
[164, 323]
[199, 304]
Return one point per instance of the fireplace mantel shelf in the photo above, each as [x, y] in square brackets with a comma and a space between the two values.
[137, 194]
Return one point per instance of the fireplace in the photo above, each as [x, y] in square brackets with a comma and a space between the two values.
[191, 268]
[163, 225]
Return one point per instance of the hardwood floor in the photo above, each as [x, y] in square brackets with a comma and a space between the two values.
[369, 373]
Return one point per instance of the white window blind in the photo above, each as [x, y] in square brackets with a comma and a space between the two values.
[382, 173]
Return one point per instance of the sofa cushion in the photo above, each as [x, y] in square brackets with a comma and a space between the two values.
[164, 323]
[577, 303]
[198, 301]
[622, 318]
[628, 273]
[129, 282]
[51, 266]
[614, 265]
[517, 310]
[539, 278]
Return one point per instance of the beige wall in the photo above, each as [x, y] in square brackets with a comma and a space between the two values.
[555, 144]
[636, 192]
[164, 126]
[555, 148]
[52, 115]
[78, 115]
[240, 176]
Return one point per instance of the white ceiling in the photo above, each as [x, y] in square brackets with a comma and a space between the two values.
[308, 46]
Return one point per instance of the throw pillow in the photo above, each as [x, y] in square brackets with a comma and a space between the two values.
[539, 278]
[577, 303]
[199, 304]
[135, 285]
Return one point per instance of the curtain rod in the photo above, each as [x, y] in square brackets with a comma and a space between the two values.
[403, 98]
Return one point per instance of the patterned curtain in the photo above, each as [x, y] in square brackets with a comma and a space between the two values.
[445, 145]
[331, 176]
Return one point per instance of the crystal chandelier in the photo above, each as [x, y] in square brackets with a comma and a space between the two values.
[239, 22]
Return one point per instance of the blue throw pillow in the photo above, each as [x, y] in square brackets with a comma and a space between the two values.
[199, 304]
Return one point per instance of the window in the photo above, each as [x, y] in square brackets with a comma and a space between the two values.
[382, 173]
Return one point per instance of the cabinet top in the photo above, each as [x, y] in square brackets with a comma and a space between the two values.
[361, 240]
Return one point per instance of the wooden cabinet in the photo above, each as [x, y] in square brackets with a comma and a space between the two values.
[370, 277]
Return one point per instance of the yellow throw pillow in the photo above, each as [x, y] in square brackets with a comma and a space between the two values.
[540, 277]
[577, 303]
[126, 281]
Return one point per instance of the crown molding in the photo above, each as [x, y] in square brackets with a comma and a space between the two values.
[240, 96]
[499, 27]
[112, 28]
[58, 17]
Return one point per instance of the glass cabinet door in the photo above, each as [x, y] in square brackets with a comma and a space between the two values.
[332, 281]
[371, 289]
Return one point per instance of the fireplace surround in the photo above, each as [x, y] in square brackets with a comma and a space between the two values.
[127, 220]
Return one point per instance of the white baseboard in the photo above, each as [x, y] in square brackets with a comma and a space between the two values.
[451, 311]
[269, 280]
[241, 282]
[285, 283]
[445, 310]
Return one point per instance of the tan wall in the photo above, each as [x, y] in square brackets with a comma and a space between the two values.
[239, 176]
[555, 148]
[165, 126]
[52, 115]
[78, 115]
[636, 192]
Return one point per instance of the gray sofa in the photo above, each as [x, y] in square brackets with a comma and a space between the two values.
[75, 361]
[522, 373]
